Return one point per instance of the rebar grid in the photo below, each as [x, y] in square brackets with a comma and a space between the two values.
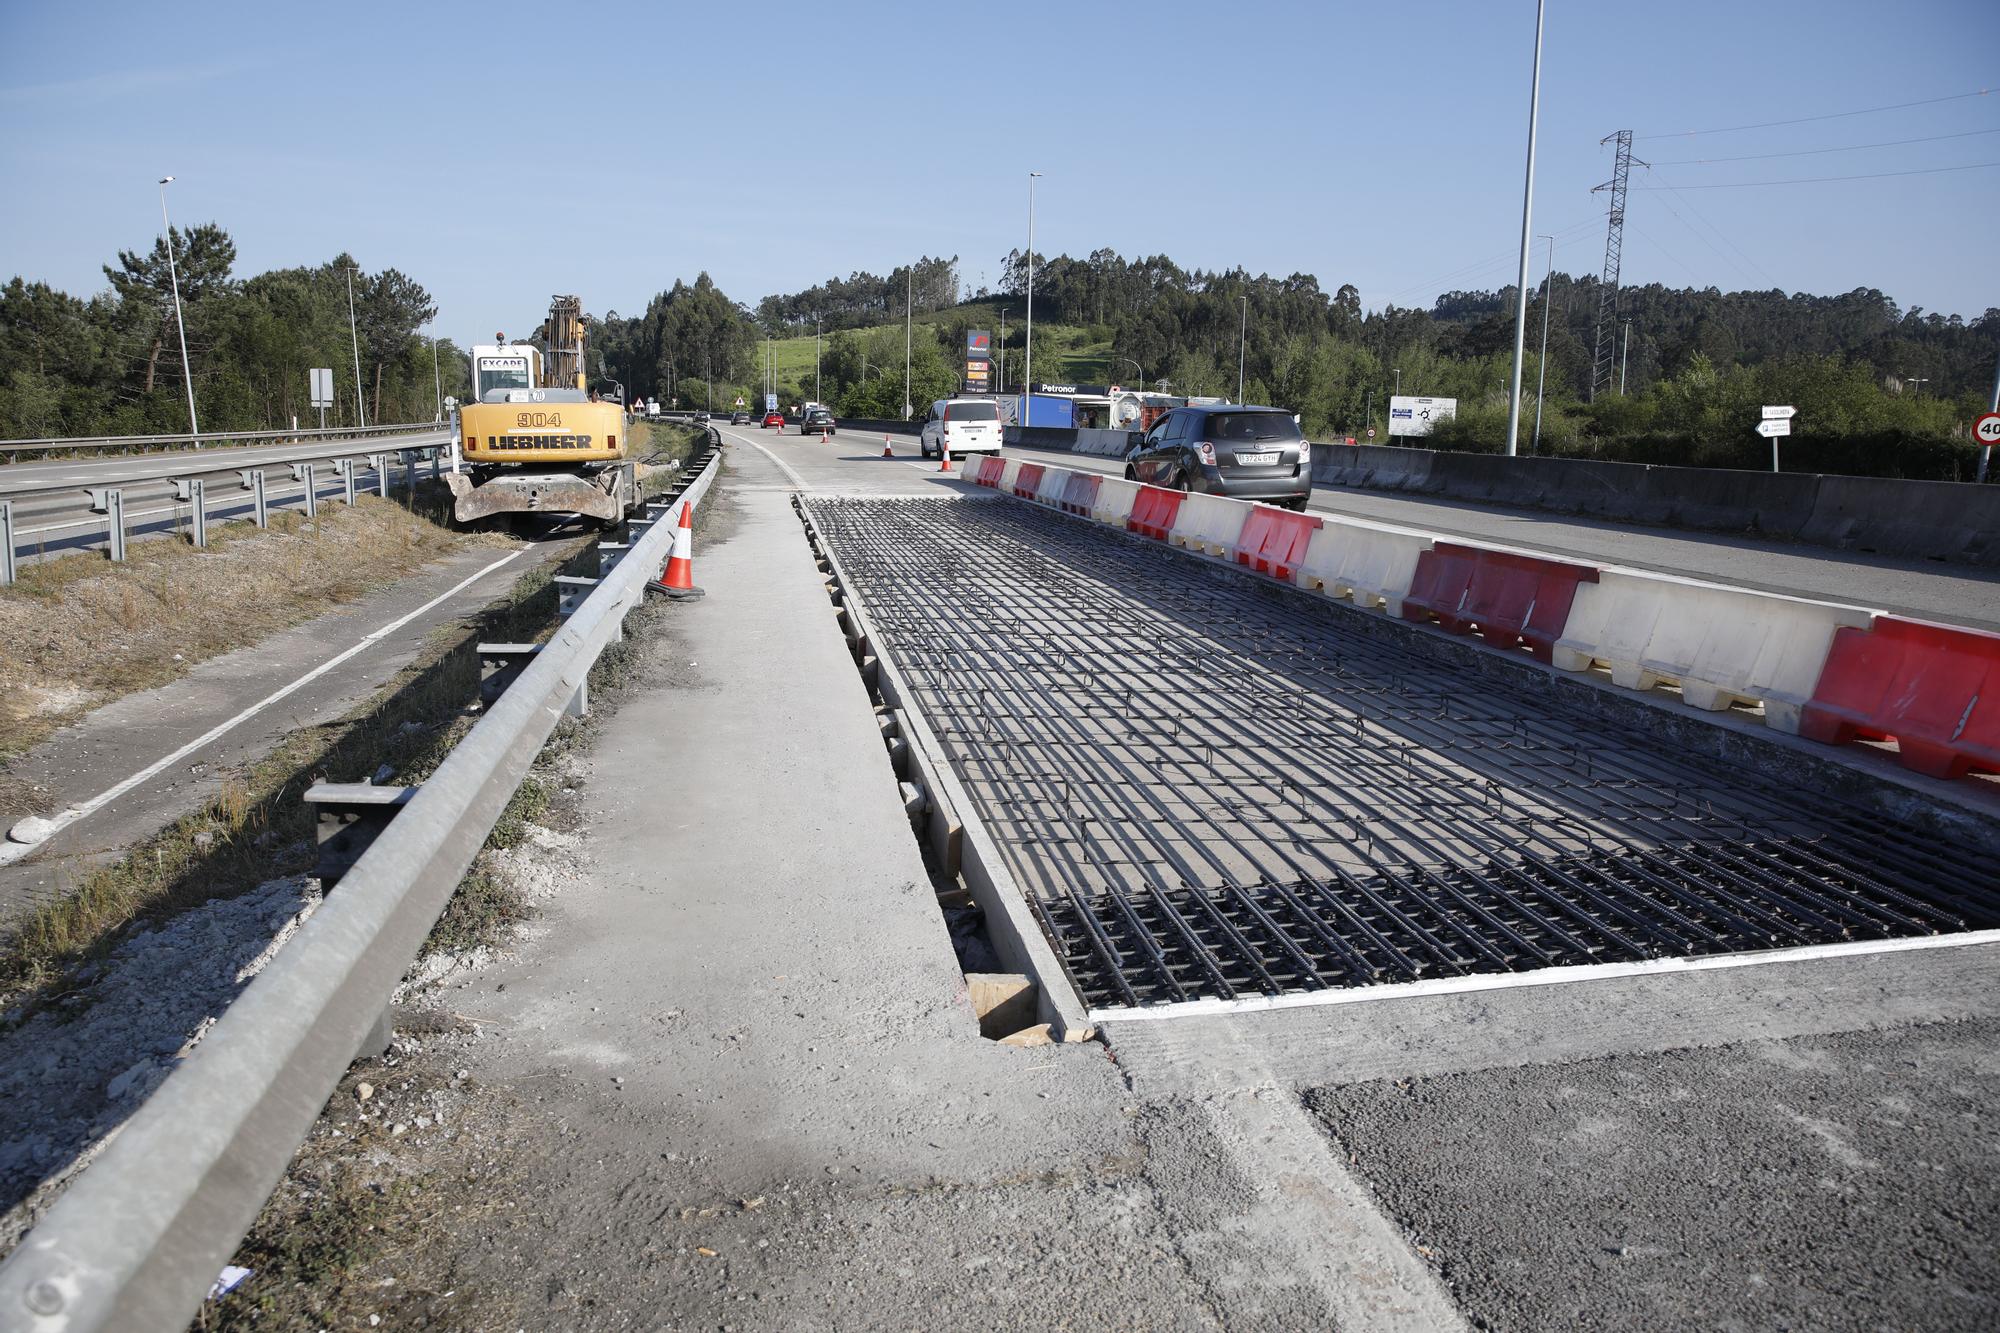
[1210, 788]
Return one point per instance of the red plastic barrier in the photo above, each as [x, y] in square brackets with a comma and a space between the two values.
[1080, 493]
[1274, 541]
[1935, 688]
[991, 469]
[1028, 480]
[1153, 512]
[1510, 599]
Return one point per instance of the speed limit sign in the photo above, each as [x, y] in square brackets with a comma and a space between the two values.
[1986, 430]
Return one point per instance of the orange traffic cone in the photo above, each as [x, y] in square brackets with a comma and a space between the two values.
[887, 452]
[944, 456]
[677, 579]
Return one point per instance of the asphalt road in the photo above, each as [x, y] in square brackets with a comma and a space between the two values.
[1929, 590]
[51, 500]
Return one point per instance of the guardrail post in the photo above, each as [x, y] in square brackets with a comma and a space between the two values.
[409, 457]
[570, 592]
[110, 501]
[350, 816]
[197, 497]
[253, 481]
[345, 467]
[304, 472]
[437, 470]
[380, 462]
[637, 528]
[609, 554]
[6, 543]
[500, 664]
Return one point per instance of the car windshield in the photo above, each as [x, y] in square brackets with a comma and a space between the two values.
[1238, 427]
[971, 412]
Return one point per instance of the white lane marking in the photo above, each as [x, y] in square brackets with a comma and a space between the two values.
[798, 483]
[1543, 976]
[14, 851]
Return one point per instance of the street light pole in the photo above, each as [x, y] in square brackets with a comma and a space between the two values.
[909, 289]
[815, 358]
[1242, 342]
[180, 324]
[360, 406]
[1028, 369]
[1992, 405]
[1527, 234]
[1623, 355]
[437, 379]
[1542, 370]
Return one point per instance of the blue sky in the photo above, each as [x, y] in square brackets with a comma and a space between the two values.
[776, 144]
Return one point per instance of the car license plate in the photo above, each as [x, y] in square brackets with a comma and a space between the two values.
[1256, 460]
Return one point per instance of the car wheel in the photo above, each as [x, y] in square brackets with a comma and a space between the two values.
[1130, 475]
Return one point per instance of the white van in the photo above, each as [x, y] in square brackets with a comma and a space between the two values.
[967, 425]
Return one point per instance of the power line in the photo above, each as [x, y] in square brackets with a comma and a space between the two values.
[1814, 152]
[1815, 180]
[1831, 115]
[1710, 224]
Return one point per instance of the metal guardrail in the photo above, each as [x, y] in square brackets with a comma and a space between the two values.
[13, 447]
[138, 1239]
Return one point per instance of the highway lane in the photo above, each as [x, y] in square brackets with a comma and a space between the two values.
[1953, 594]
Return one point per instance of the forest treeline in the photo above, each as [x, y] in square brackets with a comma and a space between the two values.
[110, 364]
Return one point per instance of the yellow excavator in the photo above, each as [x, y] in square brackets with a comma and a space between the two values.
[534, 439]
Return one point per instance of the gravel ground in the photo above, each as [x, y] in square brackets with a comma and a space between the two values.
[73, 1071]
[1822, 1183]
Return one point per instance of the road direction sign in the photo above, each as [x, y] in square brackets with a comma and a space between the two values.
[1774, 426]
[1780, 413]
[1986, 430]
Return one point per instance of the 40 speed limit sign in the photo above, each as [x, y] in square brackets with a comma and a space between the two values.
[1986, 430]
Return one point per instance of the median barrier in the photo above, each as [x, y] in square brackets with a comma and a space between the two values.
[1208, 523]
[1720, 645]
[1935, 520]
[1772, 504]
[1113, 505]
[1389, 468]
[1079, 495]
[1509, 598]
[1337, 465]
[1028, 480]
[1040, 437]
[1153, 512]
[1371, 564]
[1103, 443]
[873, 425]
[1274, 541]
[1934, 688]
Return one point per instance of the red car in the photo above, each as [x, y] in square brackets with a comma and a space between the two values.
[774, 419]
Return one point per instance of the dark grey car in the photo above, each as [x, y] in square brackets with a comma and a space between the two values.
[1245, 453]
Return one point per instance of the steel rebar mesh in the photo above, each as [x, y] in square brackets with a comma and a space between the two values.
[1210, 787]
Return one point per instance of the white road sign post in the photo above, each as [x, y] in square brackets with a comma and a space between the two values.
[322, 391]
[1777, 421]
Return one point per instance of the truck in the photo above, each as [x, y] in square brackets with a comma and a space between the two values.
[534, 439]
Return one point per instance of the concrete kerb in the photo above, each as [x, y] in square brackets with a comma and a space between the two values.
[959, 838]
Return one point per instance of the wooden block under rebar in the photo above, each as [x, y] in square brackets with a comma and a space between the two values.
[1004, 1002]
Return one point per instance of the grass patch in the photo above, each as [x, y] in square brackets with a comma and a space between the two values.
[82, 632]
[259, 827]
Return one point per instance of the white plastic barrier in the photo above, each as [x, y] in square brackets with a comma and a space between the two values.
[1372, 563]
[1050, 492]
[1007, 475]
[1721, 645]
[1209, 523]
[1114, 501]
